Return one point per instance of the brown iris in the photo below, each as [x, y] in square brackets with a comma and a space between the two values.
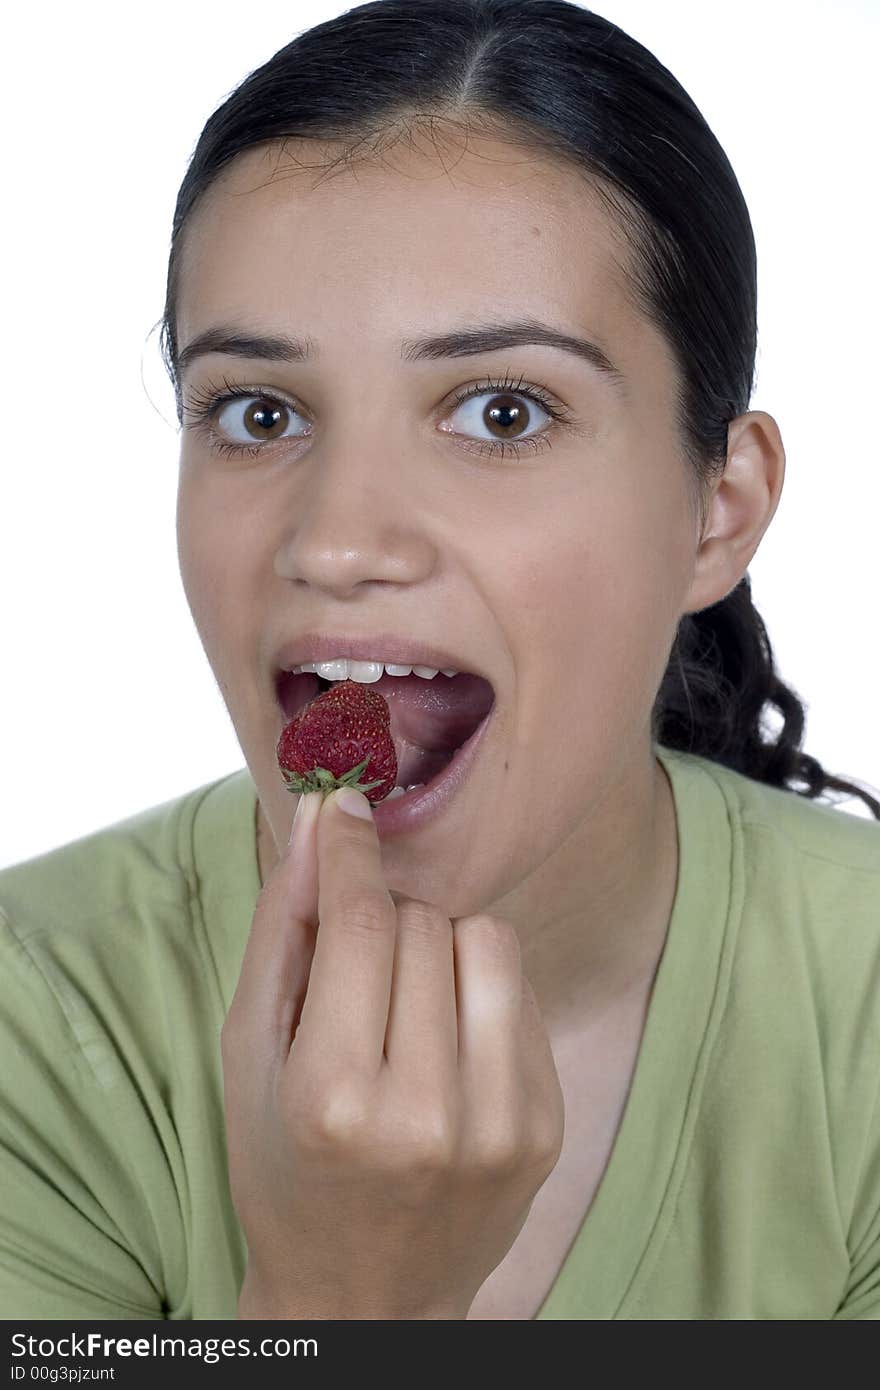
[511, 412]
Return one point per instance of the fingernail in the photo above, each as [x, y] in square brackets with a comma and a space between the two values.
[354, 803]
[300, 814]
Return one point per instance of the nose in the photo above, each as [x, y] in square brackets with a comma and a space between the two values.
[353, 522]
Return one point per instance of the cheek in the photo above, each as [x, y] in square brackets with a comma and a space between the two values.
[591, 603]
[193, 545]
[208, 548]
[627, 593]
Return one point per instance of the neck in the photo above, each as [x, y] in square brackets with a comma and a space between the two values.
[598, 952]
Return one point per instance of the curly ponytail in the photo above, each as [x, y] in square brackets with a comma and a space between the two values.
[719, 679]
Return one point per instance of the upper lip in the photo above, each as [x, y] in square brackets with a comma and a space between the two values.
[384, 646]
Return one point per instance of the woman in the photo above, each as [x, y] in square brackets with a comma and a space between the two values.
[461, 318]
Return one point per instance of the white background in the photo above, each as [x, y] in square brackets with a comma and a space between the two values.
[109, 705]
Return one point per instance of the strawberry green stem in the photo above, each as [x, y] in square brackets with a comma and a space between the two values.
[320, 780]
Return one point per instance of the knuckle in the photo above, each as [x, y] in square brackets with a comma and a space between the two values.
[493, 934]
[335, 1121]
[546, 1147]
[423, 1157]
[433, 1145]
[498, 1153]
[365, 911]
[423, 917]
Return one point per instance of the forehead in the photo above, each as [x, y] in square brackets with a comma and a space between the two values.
[422, 232]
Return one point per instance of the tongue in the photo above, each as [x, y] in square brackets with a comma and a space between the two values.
[430, 719]
[437, 714]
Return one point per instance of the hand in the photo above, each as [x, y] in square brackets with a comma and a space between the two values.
[392, 1103]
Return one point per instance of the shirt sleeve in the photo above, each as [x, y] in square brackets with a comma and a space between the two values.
[68, 1192]
[862, 1295]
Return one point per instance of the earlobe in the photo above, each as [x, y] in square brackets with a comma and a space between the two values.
[742, 505]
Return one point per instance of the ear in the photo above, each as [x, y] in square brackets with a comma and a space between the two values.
[741, 507]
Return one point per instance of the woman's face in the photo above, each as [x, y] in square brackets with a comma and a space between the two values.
[560, 572]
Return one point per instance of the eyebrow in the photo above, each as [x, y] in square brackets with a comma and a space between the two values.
[469, 341]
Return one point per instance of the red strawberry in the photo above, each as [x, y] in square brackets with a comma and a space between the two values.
[338, 735]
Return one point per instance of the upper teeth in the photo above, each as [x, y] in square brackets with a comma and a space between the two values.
[342, 668]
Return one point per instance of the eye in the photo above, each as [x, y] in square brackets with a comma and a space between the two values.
[255, 417]
[246, 413]
[506, 415]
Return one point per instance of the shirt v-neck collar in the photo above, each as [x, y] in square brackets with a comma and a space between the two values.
[620, 1237]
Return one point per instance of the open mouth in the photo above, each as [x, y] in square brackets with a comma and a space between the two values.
[430, 718]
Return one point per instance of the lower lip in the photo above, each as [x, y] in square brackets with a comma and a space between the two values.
[418, 808]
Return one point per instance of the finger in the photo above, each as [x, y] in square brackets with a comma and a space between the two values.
[488, 988]
[421, 1038]
[345, 1012]
[275, 967]
[538, 1060]
[538, 1071]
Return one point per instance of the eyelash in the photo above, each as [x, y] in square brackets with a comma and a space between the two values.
[207, 402]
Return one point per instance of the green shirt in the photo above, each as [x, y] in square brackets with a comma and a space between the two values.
[745, 1178]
